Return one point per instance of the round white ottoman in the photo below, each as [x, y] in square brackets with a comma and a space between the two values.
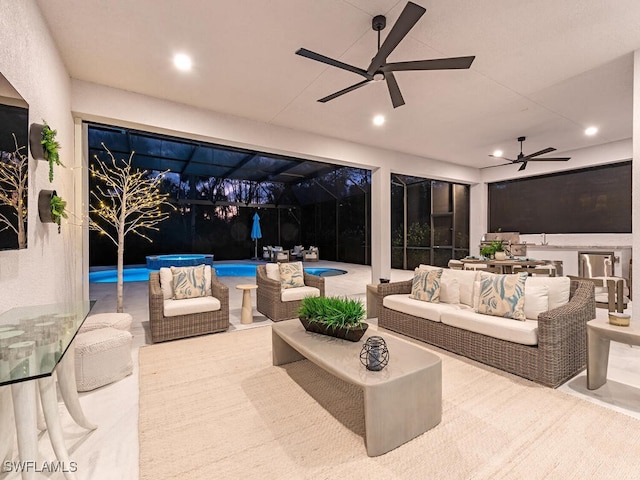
[120, 321]
[102, 357]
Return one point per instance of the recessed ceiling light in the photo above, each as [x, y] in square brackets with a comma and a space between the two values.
[378, 120]
[591, 131]
[182, 62]
[497, 153]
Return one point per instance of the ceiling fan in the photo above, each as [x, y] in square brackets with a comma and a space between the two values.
[524, 159]
[379, 69]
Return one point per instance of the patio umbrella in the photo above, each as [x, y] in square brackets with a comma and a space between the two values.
[256, 233]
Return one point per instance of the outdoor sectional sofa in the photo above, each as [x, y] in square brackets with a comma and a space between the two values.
[549, 350]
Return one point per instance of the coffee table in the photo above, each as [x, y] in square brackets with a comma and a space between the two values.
[600, 333]
[400, 402]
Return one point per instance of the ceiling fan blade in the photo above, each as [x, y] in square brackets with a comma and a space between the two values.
[343, 91]
[503, 158]
[541, 152]
[408, 18]
[550, 159]
[435, 64]
[303, 52]
[523, 166]
[394, 90]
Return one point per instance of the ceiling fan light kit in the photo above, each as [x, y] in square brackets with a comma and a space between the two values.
[379, 69]
[524, 159]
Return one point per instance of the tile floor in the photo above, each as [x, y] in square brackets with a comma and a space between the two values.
[111, 451]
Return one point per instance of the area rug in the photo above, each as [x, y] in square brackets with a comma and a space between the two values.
[214, 407]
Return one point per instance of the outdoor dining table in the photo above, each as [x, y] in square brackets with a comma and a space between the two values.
[505, 266]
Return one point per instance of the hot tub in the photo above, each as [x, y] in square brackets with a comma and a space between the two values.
[154, 262]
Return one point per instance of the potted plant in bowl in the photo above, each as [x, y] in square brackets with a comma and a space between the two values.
[51, 207]
[334, 316]
[498, 250]
[58, 209]
[44, 146]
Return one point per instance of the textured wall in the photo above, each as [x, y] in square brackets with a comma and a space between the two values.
[44, 272]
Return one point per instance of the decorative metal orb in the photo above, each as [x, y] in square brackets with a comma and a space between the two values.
[374, 354]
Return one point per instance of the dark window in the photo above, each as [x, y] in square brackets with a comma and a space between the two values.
[590, 200]
[429, 221]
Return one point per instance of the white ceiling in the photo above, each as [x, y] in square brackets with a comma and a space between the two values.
[545, 69]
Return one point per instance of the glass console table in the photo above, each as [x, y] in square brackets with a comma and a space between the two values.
[35, 343]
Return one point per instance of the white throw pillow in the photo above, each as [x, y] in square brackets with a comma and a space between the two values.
[273, 271]
[166, 283]
[465, 279]
[536, 299]
[449, 290]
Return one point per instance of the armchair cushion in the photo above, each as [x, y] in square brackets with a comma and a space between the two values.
[273, 271]
[291, 294]
[291, 275]
[187, 306]
[188, 282]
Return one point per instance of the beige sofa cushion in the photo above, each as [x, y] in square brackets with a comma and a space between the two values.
[188, 306]
[465, 280]
[536, 299]
[273, 271]
[429, 311]
[559, 289]
[525, 333]
[298, 293]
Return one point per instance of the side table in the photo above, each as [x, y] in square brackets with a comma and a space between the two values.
[600, 333]
[372, 300]
[247, 309]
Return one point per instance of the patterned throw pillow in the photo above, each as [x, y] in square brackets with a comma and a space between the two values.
[502, 295]
[188, 282]
[426, 285]
[291, 275]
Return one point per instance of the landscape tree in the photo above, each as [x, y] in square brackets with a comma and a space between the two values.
[13, 192]
[125, 200]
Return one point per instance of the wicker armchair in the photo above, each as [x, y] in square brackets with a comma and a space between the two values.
[181, 326]
[269, 295]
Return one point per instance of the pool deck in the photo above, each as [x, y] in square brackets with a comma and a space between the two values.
[353, 284]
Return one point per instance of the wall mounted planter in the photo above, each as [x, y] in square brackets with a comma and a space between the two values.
[44, 205]
[35, 141]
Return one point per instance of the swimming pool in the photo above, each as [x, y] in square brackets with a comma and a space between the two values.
[139, 274]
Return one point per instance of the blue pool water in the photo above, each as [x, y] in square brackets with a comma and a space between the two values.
[155, 262]
[223, 270]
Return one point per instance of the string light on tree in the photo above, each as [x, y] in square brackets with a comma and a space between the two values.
[125, 201]
[13, 192]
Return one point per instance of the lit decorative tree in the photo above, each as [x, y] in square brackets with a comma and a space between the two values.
[128, 201]
[13, 192]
